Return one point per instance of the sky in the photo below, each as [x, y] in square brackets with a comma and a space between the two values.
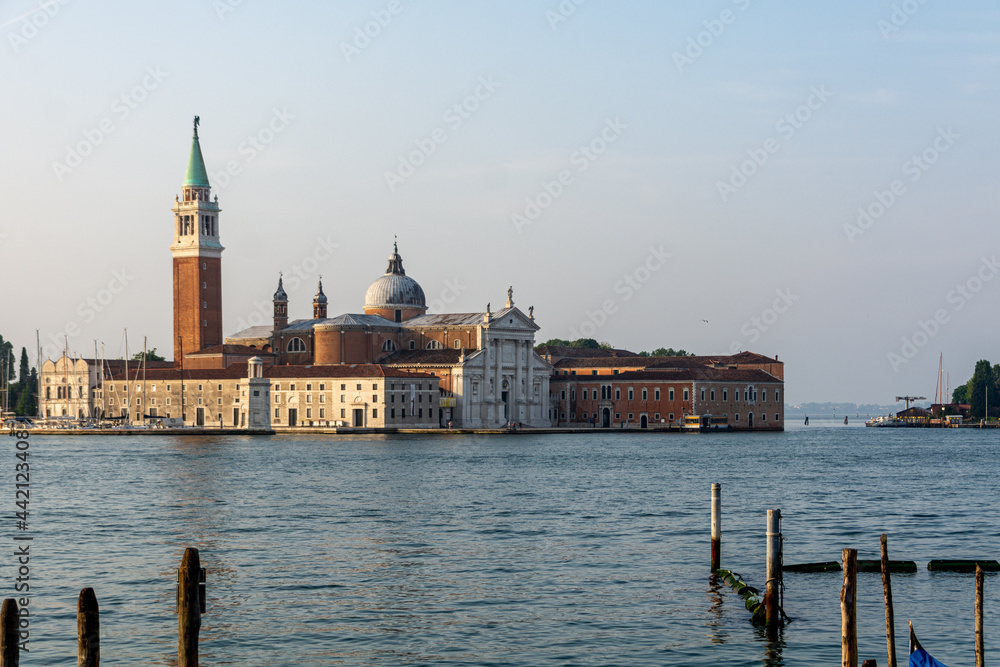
[815, 181]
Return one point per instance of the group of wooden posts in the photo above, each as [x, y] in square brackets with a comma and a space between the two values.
[190, 607]
[848, 592]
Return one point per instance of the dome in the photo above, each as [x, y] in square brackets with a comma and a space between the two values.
[320, 297]
[395, 289]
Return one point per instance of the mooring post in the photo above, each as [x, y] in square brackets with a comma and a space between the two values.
[773, 573]
[890, 623]
[980, 651]
[848, 611]
[716, 526]
[870, 663]
[10, 649]
[188, 608]
[88, 630]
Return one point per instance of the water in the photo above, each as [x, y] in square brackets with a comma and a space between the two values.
[527, 550]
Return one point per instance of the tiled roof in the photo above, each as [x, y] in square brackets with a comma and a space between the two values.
[238, 371]
[259, 331]
[575, 352]
[699, 374]
[446, 319]
[445, 357]
[231, 349]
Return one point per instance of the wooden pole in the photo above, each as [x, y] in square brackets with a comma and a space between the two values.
[980, 651]
[848, 611]
[716, 526]
[890, 623]
[10, 649]
[188, 609]
[88, 630]
[773, 573]
[870, 663]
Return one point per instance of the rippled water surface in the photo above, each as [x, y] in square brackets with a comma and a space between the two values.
[502, 550]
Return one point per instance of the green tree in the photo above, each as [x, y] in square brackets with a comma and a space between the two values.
[982, 389]
[960, 394]
[150, 355]
[25, 368]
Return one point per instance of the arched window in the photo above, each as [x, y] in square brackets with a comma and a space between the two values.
[434, 345]
[296, 345]
[389, 346]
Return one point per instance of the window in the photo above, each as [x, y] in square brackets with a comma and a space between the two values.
[618, 415]
[656, 395]
[343, 413]
[630, 396]
[618, 394]
[389, 346]
[291, 387]
[686, 395]
[458, 344]
[322, 398]
[277, 413]
[671, 416]
[593, 372]
[703, 394]
[277, 387]
[712, 394]
[309, 387]
[296, 345]
[764, 394]
[776, 394]
[322, 413]
[220, 401]
[375, 386]
[434, 345]
[737, 416]
[199, 387]
[309, 398]
[168, 400]
[630, 416]
[725, 395]
[374, 398]
[763, 416]
[413, 344]
[392, 413]
[644, 394]
[374, 413]
[657, 416]
[563, 394]
[615, 372]
[220, 387]
[776, 417]
[359, 387]
[572, 394]
[572, 416]
[584, 394]
[420, 413]
[670, 393]
[343, 387]
[309, 413]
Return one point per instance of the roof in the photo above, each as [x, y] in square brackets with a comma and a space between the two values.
[230, 349]
[259, 331]
[196, 172]
[751, 358]
[446, 319]
[238, 371]
[695, 373]
[626, 361]
[346, 320]
[444, 357]
[395, 289]
[564, 351]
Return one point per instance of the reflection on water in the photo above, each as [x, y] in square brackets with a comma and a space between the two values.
[587, 549]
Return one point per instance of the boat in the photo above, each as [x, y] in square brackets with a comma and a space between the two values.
[807, 420]
[845, 421]
[918, 656]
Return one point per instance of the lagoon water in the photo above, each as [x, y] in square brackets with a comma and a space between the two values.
[503, 550]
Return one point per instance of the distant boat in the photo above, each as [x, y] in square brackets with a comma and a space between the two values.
[918, 656]
[807, 420]
[845, 421]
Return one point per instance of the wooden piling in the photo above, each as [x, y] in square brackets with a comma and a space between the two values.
[980, 651]
[188, 608]
[890, 623]
[88, 630]
[716, 526]
[870, 663]
[10, 649]
[773, 582]
[848, 610]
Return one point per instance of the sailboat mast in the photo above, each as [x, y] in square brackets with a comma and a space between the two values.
[38, 355]
[144, 411]
[128, 395]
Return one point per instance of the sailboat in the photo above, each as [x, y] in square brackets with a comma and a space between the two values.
[918, 656]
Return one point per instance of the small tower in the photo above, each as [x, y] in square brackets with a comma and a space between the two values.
[319, 302]
[258, 402]
[197, 255]
[280, 307]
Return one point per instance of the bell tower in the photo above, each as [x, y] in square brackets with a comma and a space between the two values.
[197, 260]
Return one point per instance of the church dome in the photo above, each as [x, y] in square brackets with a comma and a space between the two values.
[395, 290]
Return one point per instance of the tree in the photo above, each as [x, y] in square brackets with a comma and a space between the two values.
[150, 355]
[666, 352]
[960, 394]
[982, 389]
[24, 371]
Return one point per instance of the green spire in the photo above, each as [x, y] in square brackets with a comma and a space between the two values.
[196, 173]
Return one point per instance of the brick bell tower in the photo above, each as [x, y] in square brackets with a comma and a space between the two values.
[197, 261]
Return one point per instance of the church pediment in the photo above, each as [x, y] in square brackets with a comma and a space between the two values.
[512, 319]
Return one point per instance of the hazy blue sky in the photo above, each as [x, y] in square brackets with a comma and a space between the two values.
[739, 137]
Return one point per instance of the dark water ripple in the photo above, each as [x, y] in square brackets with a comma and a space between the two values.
[576, 550]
